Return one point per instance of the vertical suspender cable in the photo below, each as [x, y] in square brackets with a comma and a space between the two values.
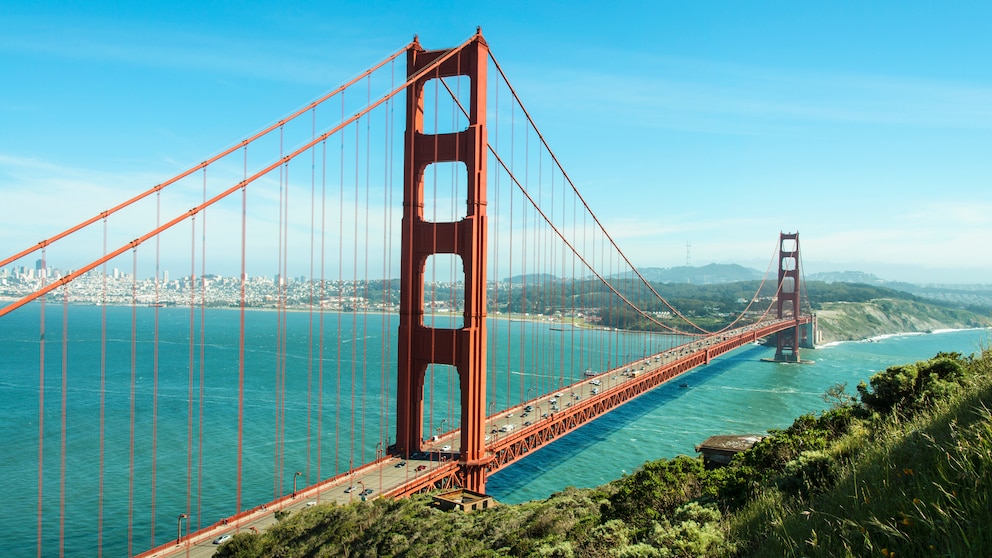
[511, 306]
[284, 300]
[41, 410]
[323, 299]
[495, 258]
[241, 339]
[385, 272]
[62, 429]
[203, 346]
[354, 292]
[384, 349]
[365, 281]
[280, 279]
[192, 365]
[340, 299]
[454, 389]
[134, 378]
[103, 394]
[158, 242]
[526, 324]
[310, 289]
[282, 321]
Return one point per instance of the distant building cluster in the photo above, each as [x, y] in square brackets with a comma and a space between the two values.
[117, 287]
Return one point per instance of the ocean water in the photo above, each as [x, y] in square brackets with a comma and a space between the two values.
[735, 394]
[296, 389]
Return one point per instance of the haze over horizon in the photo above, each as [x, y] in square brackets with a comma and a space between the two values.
[866, 127]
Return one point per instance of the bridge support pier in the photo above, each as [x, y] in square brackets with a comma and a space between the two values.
[788, 341]
[419, 345]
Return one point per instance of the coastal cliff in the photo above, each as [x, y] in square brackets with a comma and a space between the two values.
[848, 321]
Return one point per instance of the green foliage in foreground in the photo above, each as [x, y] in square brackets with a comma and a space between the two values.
[903, 470]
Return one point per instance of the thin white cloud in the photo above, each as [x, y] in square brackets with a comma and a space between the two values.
[269, 58]
[709, 97]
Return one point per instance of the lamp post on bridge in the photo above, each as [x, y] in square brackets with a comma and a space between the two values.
[492, 409]
[296, 476]
[179, 528]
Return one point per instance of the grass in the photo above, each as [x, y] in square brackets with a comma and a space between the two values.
[918, 486]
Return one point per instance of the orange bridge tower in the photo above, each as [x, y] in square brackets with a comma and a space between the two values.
[419, 345]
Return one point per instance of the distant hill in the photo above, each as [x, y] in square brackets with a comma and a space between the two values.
[706, 275]
[531, 279]
[846, 277]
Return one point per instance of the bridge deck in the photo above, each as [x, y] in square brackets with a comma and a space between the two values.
[511, 434]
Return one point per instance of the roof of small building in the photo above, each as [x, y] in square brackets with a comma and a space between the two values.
[731, 443]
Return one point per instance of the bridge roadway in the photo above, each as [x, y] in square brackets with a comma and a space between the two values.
[510, 434]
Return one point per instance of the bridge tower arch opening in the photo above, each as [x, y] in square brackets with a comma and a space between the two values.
[787, 304]
[420, 344]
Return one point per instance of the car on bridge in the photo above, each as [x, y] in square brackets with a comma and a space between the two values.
[222, 539]
[420, 468]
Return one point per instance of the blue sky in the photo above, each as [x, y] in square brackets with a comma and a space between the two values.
[865, 126]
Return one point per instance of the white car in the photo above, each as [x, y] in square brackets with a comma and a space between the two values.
[222, 539]
[446, 448]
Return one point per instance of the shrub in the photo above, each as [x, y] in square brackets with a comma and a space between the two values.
[694, 530]
[908, 388]
[656, 489]
[811, 473]
[807, 433]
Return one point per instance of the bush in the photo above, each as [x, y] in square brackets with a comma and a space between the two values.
[694, 530]
[811, 473]
[907, 388]
[655, 490]
[807, 433]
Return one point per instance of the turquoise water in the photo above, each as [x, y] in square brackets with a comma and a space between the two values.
[354, 387]
[735, 394]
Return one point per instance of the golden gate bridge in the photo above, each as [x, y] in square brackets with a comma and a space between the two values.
[515, 320]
